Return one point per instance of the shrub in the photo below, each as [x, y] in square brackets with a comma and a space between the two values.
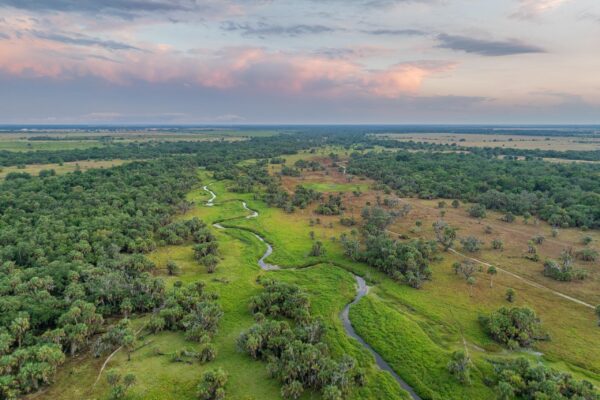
[538, 239]
[518, 378]
[459, 367]
[212, 385]
[471, 244]
[509, 217]
[172, 268]
[477, 211]
[514, 327]
[510, 295]
[497, 244]
[587, 255]
[317, 249]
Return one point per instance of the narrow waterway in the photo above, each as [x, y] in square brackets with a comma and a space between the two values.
[362, 291]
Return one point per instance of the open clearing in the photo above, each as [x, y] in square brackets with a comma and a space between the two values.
[507, 141]
[34, 169]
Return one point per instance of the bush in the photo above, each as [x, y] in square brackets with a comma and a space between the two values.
[212, 385]
[509, 217]
[587, 255]
[538, 239]
[317, 249]
[459, 367]
[477, 211]
[521, 379]
[172, 268]
[471, 244]
[563, 270]
[514, 327]
[510, 295]
[497, 244]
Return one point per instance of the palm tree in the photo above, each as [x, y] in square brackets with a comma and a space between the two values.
[471, 282]
[492, 271]
[19, 327]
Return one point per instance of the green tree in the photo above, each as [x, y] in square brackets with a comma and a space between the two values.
[444, 234]
[471, 244]
[471, 282]
[172, 268]
[210, 262]
[129, 342]
[505, 391]
[119, 385]
[19, 328]
[510, 295]
[477, 211]
[317, 249]
[126, 307]
[497, 244]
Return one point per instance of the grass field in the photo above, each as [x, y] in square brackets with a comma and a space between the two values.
[82, 139]
[50, 145]
[507, 141]
[34, 169]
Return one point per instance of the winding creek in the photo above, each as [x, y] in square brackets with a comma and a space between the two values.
[362, 291]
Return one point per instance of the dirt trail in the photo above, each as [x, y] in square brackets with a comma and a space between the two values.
[522, 279]
[514, 275]
[525, 280]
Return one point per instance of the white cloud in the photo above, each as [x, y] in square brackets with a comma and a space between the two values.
[529, 9]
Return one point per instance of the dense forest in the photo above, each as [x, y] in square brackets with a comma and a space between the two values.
[562, 194]
[71, 253]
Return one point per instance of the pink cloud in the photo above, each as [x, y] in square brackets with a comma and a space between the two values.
[225, 69]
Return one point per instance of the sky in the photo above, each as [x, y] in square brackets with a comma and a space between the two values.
[299, 61]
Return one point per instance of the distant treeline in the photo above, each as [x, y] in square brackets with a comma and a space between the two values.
[207, 153]
[562, 194]
[265, 147]
[583, 155]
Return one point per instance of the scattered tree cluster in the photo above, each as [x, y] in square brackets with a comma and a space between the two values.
[522, 379]
[206, 249]
[297, 356]
[310, 164]
[190, 309]
[289, 171]
[180, 232]
[303, 197]
[564, 269]
[514, 327]
[562, 194]
[406, 262]
[332, 206]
